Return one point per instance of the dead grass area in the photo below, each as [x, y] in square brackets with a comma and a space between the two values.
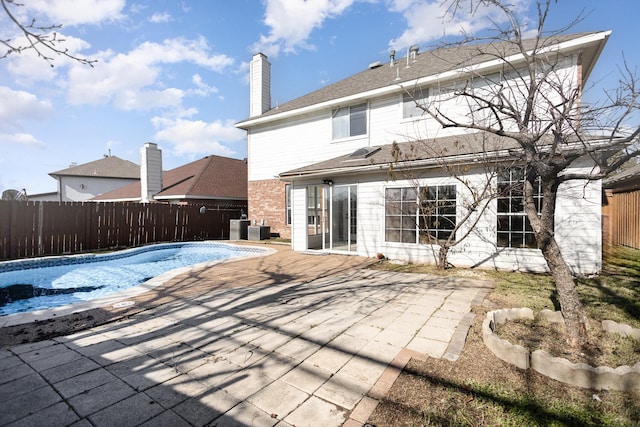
[604, 349]
[481, 390]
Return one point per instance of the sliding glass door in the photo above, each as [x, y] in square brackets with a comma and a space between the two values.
[342, 202]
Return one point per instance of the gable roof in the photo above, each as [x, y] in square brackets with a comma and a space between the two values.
[107, 167]
[429, 66]
[212, 177]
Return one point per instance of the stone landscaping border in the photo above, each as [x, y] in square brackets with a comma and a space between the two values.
[623, 378]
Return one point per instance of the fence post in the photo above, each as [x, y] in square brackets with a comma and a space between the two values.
[40, 227]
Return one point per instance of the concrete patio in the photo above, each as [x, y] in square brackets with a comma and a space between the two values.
[289, 339]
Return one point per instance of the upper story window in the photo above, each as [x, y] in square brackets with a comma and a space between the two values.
[349, 121]
[412, 103]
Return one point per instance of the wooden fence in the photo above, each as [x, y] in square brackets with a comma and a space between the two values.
[621, 219]
[29, 229]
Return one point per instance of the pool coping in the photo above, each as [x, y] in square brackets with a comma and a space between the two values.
[121, 297]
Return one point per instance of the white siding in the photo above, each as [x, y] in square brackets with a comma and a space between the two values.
[579, 223]
[285, 146]
[80, 188]
[299, 213]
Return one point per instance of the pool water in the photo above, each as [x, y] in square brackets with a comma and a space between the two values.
[29, 285]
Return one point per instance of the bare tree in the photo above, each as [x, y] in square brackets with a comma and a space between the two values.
[540, 109]
[42, 39]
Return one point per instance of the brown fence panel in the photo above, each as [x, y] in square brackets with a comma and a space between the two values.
[624, 218]
[5, 230]
[29, 229]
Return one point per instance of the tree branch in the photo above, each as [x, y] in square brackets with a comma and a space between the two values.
[41, 39]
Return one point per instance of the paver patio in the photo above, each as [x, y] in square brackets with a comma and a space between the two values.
[279, 340]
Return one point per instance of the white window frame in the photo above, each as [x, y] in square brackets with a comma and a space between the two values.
[410, 219]
[342, 121]
[411, 111]
[512, 222]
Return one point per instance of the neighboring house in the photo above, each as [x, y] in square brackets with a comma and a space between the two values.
[319, 164]
[44, 197]
[621, 204]
[212, 180]
[83, 182]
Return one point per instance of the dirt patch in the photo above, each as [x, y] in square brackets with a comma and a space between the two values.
[55, 327]
[604, 348]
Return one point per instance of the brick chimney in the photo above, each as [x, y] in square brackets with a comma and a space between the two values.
[260, 84]
[150, 171]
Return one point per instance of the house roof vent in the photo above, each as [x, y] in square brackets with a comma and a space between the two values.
[375, 65]
[413, 51]
[364, 152]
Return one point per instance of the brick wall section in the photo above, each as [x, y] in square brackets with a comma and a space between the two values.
[267, 200]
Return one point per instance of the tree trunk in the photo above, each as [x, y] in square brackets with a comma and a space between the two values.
[442, 257]
[572, 310]
[544, 229]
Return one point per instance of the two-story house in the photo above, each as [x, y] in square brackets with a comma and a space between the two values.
[319, 166]
[82, 182]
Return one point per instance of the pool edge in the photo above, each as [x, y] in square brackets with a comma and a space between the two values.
[110, 300]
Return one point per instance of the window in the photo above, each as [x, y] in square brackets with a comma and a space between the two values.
[401, 209]
[349, 121]
[435, 220]
[288, 204]
[514, 229]
[437, 213]
[409, 101]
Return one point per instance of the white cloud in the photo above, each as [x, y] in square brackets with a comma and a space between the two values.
[137, 7]
[197, 136]
[292, 21]
[148, 99]
[132, 80]
[75, 12]
[202, 89]
[160, 18]
[427, 20]
[20, 138]
[18, 105]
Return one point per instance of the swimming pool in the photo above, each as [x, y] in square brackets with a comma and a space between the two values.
[44, 283]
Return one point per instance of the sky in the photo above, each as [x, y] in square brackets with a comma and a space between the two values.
[176, 72]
